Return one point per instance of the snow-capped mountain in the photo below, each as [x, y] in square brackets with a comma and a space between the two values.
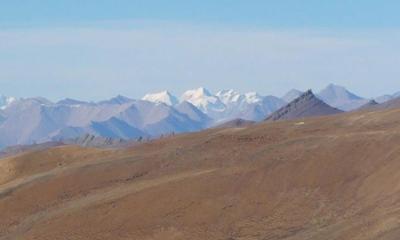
[229, 96]
[253, 97]
[161, 97]
[259, 110]
[339, 97]
[249, 106]
[6, 101]
[205, 101]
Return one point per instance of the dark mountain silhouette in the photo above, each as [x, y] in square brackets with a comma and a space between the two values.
[307, 105]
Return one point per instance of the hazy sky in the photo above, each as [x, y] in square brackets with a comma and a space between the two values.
[95, 49]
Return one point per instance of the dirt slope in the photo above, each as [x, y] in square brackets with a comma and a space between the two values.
[326, 178]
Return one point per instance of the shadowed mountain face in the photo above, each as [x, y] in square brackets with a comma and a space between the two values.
[307, 105]
[333, 177]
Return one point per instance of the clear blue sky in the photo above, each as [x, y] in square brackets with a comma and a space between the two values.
[92, 49]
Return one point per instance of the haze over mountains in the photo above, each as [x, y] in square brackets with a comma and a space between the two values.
[36, 120]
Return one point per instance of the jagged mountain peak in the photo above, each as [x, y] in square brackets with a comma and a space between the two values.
[161, 97]
[307, 105]
[253, 97]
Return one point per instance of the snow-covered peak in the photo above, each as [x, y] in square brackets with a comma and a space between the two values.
[253, 97]
[6, 101]
[196, 93]
[161, 97]
[204, 100]
[229, 96]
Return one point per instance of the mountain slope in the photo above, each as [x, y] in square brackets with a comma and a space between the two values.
[193, 113]
[292, 95]
[339, 97]
[26, 122]
[116, 128]
[307, 105]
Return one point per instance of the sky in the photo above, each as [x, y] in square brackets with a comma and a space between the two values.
[96, 49]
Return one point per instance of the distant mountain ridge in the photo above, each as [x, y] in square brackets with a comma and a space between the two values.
[339, 97]
[36, 120]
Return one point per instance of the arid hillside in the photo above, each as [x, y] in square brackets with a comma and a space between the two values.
[326, 178]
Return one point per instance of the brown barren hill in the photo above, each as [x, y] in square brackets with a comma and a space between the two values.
[331, 177]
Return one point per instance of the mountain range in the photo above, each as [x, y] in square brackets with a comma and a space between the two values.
[38, 120]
